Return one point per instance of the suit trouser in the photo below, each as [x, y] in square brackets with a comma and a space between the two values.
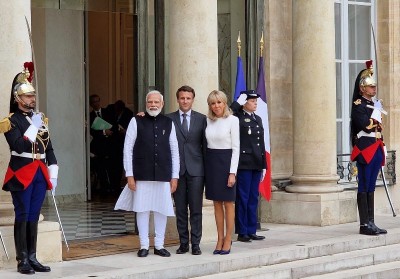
[27, 203]
[247, 201]
[368, 173]
[189, 193]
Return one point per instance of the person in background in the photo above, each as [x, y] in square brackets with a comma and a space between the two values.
[221, 162]
[122, 116]
[101, 145]
[368, 147]
[151, 162]
[190, 126]
[32, 168]
[252, 165]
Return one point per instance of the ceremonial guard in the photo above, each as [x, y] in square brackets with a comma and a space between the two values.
[252, 165]
[368, 147]
[32, 169]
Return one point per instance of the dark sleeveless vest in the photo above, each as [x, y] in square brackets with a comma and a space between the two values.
[152, 159]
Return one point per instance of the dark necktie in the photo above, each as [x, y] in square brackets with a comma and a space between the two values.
[185, 124]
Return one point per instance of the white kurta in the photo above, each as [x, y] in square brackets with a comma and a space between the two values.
[149, 195]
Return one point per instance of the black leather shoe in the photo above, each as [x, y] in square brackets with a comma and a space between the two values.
[256, 237]
[143, 253]
[183, 248]
[366, 229]
[244, 238]
[162, 252]
[38, 267]
[375, 227]
[196, 249]
[24, 267]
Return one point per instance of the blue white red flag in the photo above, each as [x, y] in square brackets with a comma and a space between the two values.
[262, 111]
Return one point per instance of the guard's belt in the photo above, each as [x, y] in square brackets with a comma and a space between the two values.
[371, 135]
[32, 156]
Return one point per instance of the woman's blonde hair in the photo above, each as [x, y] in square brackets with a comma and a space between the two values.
[214, 96]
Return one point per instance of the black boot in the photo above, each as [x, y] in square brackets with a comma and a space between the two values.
[371, 213]
[32, 231]
[365, 227]
[21, 250]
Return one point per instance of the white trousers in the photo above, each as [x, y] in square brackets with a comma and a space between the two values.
[160, 223]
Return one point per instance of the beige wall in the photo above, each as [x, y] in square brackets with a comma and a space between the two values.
[14, 51]
[278, 70]
[388, 60]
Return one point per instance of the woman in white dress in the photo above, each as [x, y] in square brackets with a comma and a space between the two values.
[221, 162]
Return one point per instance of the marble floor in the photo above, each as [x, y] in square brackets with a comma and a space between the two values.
[91, 219]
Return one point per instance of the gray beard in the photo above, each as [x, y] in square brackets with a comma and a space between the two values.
[153, 113]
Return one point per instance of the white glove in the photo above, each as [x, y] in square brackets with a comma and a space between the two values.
[242, 99]
[54, 184]
[377, 115]
[37, 120]
[264, 171]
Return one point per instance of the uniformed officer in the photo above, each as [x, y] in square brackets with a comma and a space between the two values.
[32, 168]
[368, 147]
[252, 165]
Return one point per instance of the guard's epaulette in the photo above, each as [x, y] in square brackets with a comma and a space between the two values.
[357, 102]
[45, 120]
[5, 124]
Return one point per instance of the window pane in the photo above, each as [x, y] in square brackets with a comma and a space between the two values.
[338, 32]
[339, 145]
[359, 32]
[364, 1]
[354, 69]
[339, 94]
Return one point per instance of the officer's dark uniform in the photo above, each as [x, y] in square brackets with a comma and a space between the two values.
[368, 151]
[27, 176]
[251, 163]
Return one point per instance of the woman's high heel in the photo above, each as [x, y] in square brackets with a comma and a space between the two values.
[217, 252]
[226, 252]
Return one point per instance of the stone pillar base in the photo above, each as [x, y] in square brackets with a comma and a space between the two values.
[323, 209]
[49, 243]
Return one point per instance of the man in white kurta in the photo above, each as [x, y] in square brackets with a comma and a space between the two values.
[151, 162]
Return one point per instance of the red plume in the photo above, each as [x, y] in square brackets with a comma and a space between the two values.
[368, 63]
[31, 68]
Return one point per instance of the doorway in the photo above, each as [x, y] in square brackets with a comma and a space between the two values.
[112, 78]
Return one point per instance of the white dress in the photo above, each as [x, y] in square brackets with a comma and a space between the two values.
[149, 195]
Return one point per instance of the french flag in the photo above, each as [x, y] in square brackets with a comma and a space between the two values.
[262, 111]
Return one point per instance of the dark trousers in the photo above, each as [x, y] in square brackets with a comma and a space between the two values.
[189, 193]
[247, 201]
[27, 203]
[368, 173]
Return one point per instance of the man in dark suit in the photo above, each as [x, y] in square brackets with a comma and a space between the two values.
[190, 131]
[101, 143]
[252, 165]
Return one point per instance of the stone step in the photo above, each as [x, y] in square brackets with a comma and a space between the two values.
[385, 270]
[287, 261]
[342, 264]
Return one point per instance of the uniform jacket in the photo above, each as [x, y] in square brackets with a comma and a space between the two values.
[364, 147]
[192, 146]
[21, 171]
[252, 146]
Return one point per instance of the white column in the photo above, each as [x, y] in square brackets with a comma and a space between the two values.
[193, 49]
[14, 51]
[314, 98]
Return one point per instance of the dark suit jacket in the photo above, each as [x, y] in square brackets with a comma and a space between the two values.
[100, 144]
[192, 146]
